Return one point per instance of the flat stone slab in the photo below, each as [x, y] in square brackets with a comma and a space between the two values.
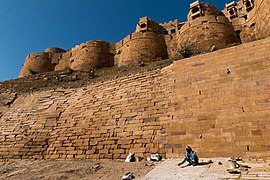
[169, 170]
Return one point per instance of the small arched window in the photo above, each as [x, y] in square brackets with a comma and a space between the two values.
[143, 25]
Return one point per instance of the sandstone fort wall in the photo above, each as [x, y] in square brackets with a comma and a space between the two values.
[218, 103]
[206, 29]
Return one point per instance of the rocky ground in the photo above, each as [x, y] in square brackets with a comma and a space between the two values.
[73, 79]
[255, 169]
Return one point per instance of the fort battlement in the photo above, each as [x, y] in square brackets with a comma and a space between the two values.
[207, 28]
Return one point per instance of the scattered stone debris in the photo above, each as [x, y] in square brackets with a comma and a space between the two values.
[233, 164]
[233, 171]
[155, 157]
[235, 167]
[219, 163]
[237, 158]
[131, 158]
[92, 73]
[141, 64]
[67, 71]
[7, 98]
[97, 167]
[74, 78]
[213, 48]
[51, 80]
[128, 176]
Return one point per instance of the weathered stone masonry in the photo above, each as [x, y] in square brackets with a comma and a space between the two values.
[218, 103]
[105, 120]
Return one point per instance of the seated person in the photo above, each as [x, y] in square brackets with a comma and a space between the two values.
[191, 157]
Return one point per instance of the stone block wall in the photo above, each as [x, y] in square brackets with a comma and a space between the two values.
[218, 103]
[103, 121]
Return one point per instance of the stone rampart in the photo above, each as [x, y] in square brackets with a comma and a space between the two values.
[217, 103]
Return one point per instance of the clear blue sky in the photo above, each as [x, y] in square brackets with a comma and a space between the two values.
[32, 25]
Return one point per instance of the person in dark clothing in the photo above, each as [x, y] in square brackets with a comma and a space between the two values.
[191, 157]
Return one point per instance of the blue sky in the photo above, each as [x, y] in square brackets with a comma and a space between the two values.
[33, 25]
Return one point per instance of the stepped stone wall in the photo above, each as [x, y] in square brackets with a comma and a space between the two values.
[104, 120]
[217, 103]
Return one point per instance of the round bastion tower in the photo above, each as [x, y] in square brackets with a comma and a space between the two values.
[37, 63]
[206, 27]
[146, 44]
[91, 55]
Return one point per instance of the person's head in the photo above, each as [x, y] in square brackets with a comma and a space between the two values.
[188, 149]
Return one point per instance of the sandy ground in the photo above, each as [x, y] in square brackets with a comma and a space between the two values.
[110, 170]
[80, 169]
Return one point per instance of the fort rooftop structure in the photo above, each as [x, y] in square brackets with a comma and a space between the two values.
[206, 27]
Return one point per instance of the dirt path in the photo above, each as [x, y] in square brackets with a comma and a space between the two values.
[58, 170]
